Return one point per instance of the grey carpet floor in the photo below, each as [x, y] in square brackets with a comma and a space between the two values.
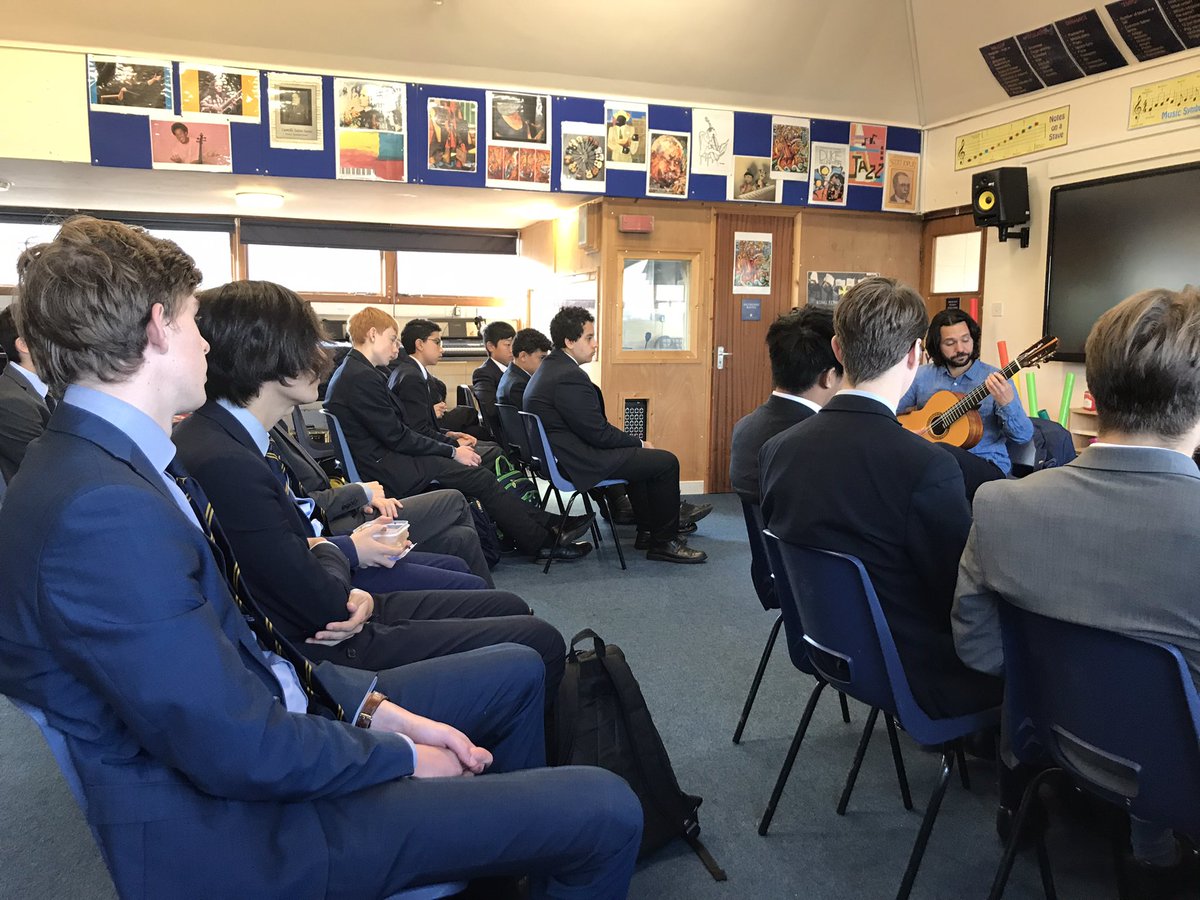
[693, 635]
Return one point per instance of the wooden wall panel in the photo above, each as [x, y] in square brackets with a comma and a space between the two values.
[849, 242]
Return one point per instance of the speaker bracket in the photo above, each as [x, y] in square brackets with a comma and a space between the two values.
[1022, 233]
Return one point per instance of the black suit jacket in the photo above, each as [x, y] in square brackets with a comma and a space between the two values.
[485, 383]
[343, 506]
[852, 480]
[587, 446]
[384, 448]
[417, 396]
[754, 430]
[511, 389]
[23, 417]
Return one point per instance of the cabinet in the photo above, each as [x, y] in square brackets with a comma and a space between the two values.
[1083, 426]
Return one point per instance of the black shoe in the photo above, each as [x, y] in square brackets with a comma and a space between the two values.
[693, 512]
[571, 528]
[643, 542]
[676, 551]
[565, 552]
[1143, 881]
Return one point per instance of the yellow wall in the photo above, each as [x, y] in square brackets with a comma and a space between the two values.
[43, 98]
[1099, 145]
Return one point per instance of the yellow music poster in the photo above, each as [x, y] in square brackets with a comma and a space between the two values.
[1043, 131]
[1165, 101]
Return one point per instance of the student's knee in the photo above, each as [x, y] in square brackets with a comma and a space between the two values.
[506, 603]
[611, 804]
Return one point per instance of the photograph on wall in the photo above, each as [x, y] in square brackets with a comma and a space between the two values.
[753, 180]
[667, 171]
[625, 138]
[825, 289]
[752, 262]
[524, 168]
[583, 157]
[214, 92]
[453, 132]
[295, 115]
[191, 145]
[867, 144]
[130, 85]
[518, 118]
[827, 179]
[712, 142]
[791, 145]
[371, 124]
[900, 173]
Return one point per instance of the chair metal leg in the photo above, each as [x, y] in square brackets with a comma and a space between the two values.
[758, 676]
[557, 533]
[1028, 800]
[898, 759]
[1044, 869]
[961, 757]
[931, 811]
[845, 708]
[790, 759]
[546, 496]
[587, 508]
[852, 775]
[562, 510]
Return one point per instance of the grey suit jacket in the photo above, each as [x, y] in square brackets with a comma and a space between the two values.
[1108, 540]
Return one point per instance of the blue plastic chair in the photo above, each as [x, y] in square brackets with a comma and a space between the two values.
[850, 644]
[512, 436]
[318, 450]
[1079, 695]
[546, 466]
[341, 448]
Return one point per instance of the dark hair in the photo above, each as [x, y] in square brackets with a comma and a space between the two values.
[567, 324]
[179, 126]
[8, 334]
[1143, 363]
[417, 330]
[800, 350]
[944, 319]
[530, 340]
[876, 322]
[257, 332]
[495, 332]
[84, 299]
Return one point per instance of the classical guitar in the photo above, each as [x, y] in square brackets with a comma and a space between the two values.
[953, 418]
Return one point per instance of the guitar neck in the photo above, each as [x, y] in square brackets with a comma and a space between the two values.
[975, 398]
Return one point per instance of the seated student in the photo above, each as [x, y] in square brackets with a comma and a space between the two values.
[406, 462]
[485, 380]
[202, 774]
[805, 374]
[852, 480]
[952, 343]
[528, 348]
[265, 357]
[24, 410]
[590, 449]
[1064, 536]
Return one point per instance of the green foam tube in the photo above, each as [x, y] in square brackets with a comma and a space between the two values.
[1064, 408]
[1031, 393]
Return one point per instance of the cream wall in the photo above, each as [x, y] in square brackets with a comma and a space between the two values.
[1099, 145]
[43, 97]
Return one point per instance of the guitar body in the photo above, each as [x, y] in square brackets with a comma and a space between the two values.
[964, 432]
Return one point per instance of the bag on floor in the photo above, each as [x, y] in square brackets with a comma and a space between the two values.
[513, 479]
[601, 719]
[489, 539]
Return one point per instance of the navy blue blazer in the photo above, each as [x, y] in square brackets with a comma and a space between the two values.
[117, 621]
[751, 432]
[511, 389]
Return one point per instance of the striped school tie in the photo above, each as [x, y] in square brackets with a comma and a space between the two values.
[295, 491]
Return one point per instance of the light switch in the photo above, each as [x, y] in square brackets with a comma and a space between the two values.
[997, 309]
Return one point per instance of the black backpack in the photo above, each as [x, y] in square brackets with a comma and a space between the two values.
[489, 540]
[601, 719]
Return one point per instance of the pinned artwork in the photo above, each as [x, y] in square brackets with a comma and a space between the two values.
[190, 145]
[295, 112]
[752, 258]
[453, 134]
[130, 85]
[900, 173]
[753, 180]
[667, 172]
[516, 118]
[220, 94]
[791, 146]
[583, 157]
[625, 135]
[867, 144]
[827, 180]
[371, 129]
[712, 142]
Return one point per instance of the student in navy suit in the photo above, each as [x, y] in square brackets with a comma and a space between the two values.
[529, 348]
[23, 408]
[203, 775]
[485, 381]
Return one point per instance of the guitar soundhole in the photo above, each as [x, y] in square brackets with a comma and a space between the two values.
[937, 428]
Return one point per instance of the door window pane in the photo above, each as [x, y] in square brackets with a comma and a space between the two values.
[654, 304]
[956, 262]
[317, 270]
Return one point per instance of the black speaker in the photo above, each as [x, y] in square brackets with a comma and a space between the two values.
[1000, 197]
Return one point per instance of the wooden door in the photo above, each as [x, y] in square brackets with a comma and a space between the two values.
[938, 226]
[743, 380]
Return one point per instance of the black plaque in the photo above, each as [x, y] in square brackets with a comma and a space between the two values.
[1010, 67]
[1142, 26]
[1184, 16]
[1089, 44]
[1045, 51]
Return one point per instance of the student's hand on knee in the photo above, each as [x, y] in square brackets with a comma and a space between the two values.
[438, 734]
[361, 606]
[385, 506]
[436, 762]
[466, 456]
[464, 440]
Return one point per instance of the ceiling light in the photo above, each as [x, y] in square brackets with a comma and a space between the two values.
[258, 200]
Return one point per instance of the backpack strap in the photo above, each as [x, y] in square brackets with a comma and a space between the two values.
[692, 836]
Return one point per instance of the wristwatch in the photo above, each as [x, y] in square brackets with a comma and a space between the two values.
[368, 709]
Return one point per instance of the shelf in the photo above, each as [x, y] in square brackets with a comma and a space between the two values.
[1079, 410]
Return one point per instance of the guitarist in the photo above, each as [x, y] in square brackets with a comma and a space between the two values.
[952, 344]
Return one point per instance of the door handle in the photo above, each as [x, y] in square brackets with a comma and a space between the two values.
[721, 354]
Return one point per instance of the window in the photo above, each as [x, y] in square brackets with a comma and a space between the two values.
[464, 275]
[15, 237]
[956, 262]
[655, 304]
[210, 250]
[317, 270]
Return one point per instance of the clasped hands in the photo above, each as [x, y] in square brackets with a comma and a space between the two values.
[442, 751]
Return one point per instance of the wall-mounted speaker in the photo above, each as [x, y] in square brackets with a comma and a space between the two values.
[1000, 197]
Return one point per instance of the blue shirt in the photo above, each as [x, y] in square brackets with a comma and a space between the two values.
[1000, 423]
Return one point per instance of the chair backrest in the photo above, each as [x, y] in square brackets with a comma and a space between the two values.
[393, 378]
[793, 625]
[1119, 713]
[512, 432]
[340, 446]
[317, 451]
[333, 379]
[541, 456]
[760, 564]
[466, 397]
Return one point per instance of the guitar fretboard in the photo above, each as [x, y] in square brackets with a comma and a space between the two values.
[973, 400]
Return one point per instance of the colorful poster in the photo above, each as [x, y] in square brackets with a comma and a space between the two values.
[827, 181]
[867, 143]
[583, 166]
[712, 142]
[667, 172]
[130, 85]
[825, 289]
[1165, 101]
[525, 168]
[213, 92]
[900, 181]
[514, 118]
[1031, 134]
[295, 112]
[754, 181]
[790, 148]
[371, 128]
[625, 138]
[752, 262]
[191, 145]
[453, 134]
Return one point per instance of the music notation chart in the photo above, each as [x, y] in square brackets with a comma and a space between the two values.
[1165, 101]
[1042, 131]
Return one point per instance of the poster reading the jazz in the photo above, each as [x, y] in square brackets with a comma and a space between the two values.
[190, 145]
[453, 134]
[752, 262]
[220, 94]
[295, 115]
[867, 143]
[130, 85]
[371, 127]
[625, 135]
[827, 179]
[900, 171]
[583, 157]
[667, 173]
